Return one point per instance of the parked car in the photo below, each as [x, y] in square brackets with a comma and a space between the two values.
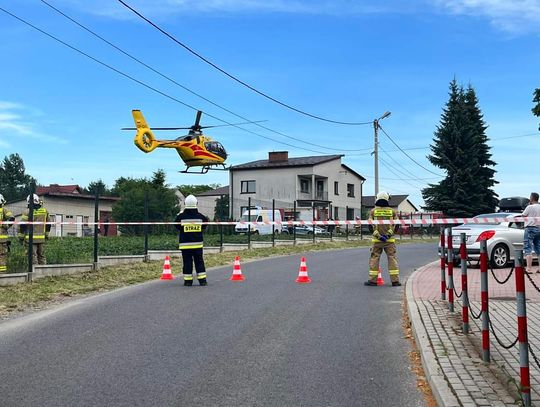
[501, 238]
[259, 215]
[304, 230]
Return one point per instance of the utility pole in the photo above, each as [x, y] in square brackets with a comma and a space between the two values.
[376, 150]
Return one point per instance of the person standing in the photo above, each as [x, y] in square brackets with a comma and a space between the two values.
[383, 239]
[40, 230]
[5, 216]
[531, 236]
[190, 228]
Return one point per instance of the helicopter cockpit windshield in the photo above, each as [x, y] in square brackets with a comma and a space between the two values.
[216, 148]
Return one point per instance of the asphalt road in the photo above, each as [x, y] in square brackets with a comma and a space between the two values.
[266, 341]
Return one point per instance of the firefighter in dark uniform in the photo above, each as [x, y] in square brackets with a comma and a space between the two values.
[190, 230]
[383, 239]
[41, 230]
[5, 216]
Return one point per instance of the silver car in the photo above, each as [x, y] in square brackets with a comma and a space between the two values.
[502, 238]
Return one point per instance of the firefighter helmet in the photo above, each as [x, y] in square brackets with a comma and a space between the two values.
[35, 199]
[191, 202]
[2, 200]
[383, 195]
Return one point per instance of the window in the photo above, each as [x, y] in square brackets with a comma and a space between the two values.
[247, 187]
[336, 212]
[350, 190]
[304, 186]
[336, 188]
[69, 217]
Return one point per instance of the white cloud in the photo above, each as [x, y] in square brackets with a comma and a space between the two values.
[513, 16]
[16, 122]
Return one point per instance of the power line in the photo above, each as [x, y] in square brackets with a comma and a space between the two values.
[179, 84]
[412, 159]
[235, 78]
[397, 163]
[393, 171]
[149, 86]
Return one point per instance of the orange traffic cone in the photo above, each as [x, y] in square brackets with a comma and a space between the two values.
[237, 273]
[380, 281]
[302, 273]
[167, 274]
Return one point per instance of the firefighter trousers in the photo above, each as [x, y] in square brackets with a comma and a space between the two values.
[190, 256]
[391, 253]
[3, 257]
[38, 252]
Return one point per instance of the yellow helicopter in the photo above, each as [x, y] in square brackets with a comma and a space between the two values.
[195, 148]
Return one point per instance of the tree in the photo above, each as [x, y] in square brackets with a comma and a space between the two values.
[14, 182]
[96, 186]
[221, 211]
[196, 189]
[460, 148]
[536, 109]
[162, 202]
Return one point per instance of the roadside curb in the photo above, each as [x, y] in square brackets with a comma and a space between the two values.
[435, 377]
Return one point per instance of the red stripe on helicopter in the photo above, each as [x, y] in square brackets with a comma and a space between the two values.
[198, 151]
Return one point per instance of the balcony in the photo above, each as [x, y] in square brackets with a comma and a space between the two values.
[319, 195]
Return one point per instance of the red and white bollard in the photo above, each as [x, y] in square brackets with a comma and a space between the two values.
[464, 284]
[443, 266]
[486, 357]
[522, 331]
[450, 256]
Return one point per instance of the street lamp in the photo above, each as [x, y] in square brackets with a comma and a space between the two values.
[376, 150]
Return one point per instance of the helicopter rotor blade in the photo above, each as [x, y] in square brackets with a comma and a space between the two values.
[232, 124]
[159, 128]
[197, 120]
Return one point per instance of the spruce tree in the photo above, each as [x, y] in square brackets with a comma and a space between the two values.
[483, 172]
[460, 150]
[536, 108]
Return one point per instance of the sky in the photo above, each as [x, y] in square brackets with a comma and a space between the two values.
[344, 60]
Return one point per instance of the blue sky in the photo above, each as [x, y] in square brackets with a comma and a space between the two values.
[341, 59]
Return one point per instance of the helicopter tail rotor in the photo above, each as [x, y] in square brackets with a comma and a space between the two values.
[144, 139]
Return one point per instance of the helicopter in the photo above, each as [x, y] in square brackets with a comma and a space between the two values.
[195, 148]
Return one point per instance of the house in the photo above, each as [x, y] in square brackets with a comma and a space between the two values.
[207, 200]
[68, 203]
[400, 203]
[317, 187]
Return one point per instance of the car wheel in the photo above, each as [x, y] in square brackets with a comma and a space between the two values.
[500, 256]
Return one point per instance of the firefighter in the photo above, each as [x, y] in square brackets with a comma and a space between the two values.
[383, 239]
[191, 230]
[5, 216]
[41, 230]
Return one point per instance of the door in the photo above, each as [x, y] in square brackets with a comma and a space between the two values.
[58, 226]
[79, 225]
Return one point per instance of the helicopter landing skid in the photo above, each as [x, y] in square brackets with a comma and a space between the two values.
[205, 169]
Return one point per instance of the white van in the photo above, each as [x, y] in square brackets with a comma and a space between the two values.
[259, 215]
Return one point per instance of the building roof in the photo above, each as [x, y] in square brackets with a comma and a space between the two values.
[216, 192]
[69, 191]
[395, 200]
[291, 162]
[294, 162]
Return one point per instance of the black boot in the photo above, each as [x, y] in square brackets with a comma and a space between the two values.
[188, 283]
[371, 283]
[202, 281]
[396, 284]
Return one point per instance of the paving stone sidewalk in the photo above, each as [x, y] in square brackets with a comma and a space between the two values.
[452, 360]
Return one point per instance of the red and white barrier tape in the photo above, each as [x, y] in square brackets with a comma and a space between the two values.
[414, 222]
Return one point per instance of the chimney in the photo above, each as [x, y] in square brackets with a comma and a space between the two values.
[277, 156]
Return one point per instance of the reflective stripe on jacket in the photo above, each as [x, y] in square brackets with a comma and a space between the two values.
[5, 215]
[383, 213]
[190, 229]
[40, 230]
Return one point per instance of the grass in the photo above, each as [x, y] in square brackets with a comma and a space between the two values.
[41, 292]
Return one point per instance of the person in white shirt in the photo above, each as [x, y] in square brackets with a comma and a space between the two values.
[531, 237]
